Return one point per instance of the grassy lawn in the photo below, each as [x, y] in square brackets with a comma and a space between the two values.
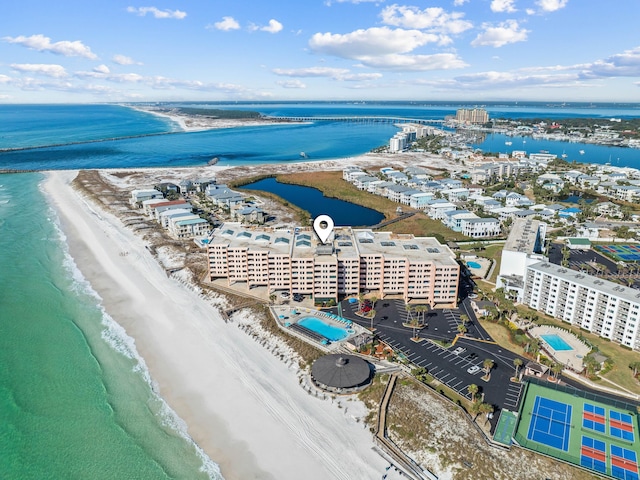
[622, 357]
[501, 336]
[492, 252]
[421, 225]
[331, 184]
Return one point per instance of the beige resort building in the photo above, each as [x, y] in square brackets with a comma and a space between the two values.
[353, 261]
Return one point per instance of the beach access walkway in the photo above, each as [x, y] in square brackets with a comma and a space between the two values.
[410, 468]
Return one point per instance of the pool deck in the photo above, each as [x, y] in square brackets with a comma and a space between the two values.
[569, 358]
[288, 314]
[485, 265]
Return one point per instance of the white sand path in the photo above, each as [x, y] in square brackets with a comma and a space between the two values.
[242, 405]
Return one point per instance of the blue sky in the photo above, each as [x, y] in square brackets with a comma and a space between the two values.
[479, 50]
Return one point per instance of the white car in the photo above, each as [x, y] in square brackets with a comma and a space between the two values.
[473, 369]
[459, 350]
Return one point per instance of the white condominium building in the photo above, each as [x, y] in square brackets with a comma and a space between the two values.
[599, 306]
[351, 262]
[524, 246]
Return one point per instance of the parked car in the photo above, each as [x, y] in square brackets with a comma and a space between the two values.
[459, 350]
[473, 369]
[297, 297]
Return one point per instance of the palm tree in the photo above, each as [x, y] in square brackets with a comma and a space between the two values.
[556, 368]
[360, 301]
[272, 298]
[464, 319]
[473, 390]
[415, 324]
[409, 310]
[462, 329]
[487, 365]
[517, 363]
[421, 310]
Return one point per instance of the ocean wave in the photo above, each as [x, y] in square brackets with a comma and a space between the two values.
[118, 339]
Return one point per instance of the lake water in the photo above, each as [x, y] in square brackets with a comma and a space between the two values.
[313, 201]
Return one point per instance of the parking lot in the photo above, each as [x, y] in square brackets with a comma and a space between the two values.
[450, 366]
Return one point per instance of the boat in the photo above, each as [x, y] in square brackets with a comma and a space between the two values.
[581, 152]
[304, 155]
[508, 143]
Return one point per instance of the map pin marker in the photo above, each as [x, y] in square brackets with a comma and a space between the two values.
[323, 225]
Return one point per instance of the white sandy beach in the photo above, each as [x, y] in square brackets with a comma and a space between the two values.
[242, 405]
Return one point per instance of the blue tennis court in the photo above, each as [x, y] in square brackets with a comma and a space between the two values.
[550, 423]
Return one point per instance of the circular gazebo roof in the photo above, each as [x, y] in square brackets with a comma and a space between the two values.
[341, 371]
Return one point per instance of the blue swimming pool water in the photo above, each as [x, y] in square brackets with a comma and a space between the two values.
[556, 342]
[329, 331]
[474, 265]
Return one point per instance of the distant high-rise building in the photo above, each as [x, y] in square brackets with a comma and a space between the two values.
[472, 115]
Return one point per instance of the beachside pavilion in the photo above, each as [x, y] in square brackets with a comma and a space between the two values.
[340, 373]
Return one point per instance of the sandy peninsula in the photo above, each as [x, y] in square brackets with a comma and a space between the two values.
[243, 406]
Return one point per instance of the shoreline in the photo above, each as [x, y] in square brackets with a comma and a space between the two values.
[195, 123]
[242, 405]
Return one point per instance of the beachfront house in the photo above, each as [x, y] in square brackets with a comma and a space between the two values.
[480, 227]
[139, 196]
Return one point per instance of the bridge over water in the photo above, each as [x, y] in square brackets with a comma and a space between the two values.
[359, 119]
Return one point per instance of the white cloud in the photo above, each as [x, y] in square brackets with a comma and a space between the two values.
[498, 36]
[341, 74]
[291, 84]
[226, 24]
[101, 69]
[458, 3]
[434, 19]
[359, 77]
[530, 11]
[273, 27]
[43, 44]
[49, 70]
[626, 64]
[124, 60]
[5, 79]
[551, 5]
[503, 6]
[311, 72]
[414, 63]
[385, 48]
[157, 13]
[370, 42]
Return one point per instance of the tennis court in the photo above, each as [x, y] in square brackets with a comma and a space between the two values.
[505, 427]
[625, 253]
[550, 423]
[583, 428]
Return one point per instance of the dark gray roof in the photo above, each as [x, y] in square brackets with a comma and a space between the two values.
[340, 371]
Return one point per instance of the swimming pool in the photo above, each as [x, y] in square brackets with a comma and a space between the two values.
[331, 332]
[556, 342]
[474, 265]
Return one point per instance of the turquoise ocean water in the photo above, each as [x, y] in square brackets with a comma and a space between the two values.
[76, 401]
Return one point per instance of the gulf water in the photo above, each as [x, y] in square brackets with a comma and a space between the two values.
[76, 401]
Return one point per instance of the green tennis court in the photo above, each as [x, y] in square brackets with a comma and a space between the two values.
[582, 428]
[506, 427]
